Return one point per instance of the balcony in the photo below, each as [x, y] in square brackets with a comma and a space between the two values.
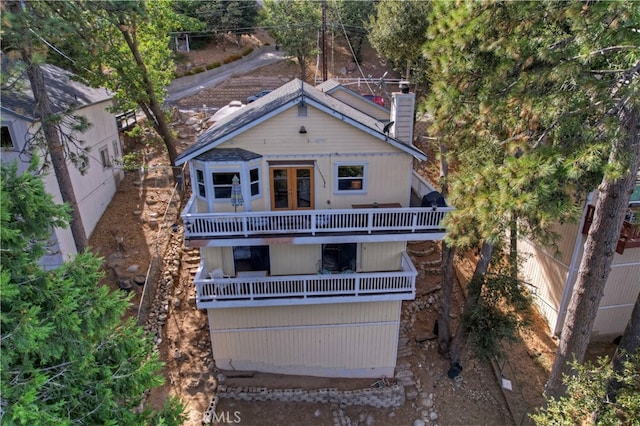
[288, 290]
[309, 226]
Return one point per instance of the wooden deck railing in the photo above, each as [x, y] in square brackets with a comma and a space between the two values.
[312, 222]
[305, 289]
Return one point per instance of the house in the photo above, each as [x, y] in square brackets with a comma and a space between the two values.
[301, 209]
[94, 180]
[553, 272]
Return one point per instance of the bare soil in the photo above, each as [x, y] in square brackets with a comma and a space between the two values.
[143, 211]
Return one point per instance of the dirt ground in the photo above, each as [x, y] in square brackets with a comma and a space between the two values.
[142, 212]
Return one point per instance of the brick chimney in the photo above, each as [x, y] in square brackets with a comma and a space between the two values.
[402, 112]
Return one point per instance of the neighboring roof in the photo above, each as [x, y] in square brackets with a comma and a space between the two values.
[64, 93]
[226, 110]
[331, 86]
[288, 96]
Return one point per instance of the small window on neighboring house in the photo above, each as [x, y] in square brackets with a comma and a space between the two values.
[6, 141]
[104, 157]
[254, 175]
[302, 110]
[200, 182]
[116, 149]
[222, 184]
[351, 177]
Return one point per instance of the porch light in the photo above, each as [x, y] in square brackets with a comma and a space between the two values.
[187, 226]
[302, 130]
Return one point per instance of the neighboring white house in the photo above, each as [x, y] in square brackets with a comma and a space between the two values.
[553, 272]
[95, 187]
[301, 208]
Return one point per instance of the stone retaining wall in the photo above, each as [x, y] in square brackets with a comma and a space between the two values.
[392, 396]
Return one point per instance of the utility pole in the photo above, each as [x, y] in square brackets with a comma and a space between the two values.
[324, 40]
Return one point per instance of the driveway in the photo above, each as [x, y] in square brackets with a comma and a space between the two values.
[192, 84]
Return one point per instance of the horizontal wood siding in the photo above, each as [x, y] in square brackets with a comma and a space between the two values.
[622, 286]
[354, 340]
[378, 257]
[289, 259]
[611, 323]
[547, 276]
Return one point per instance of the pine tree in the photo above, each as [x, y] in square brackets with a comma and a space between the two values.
[68, 356]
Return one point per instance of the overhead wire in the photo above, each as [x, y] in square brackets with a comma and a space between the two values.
[353, 54]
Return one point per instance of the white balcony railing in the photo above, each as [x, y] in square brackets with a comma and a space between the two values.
[312, 222]
[305, 289]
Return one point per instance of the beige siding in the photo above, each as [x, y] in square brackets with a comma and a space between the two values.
[218, 257]
[377, 257]
[548, 276]
[288, 259]
[348, 340]
[329, 141]
[611, 323]
[622, 286]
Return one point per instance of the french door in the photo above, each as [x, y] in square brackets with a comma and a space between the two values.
[291, 188]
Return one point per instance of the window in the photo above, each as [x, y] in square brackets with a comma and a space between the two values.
[104, 157]
[6, 142]
[222, 184]
[302, 110]
[254, 177]
[116, 149]
[339, 257]
[350, 177]
[202, 192]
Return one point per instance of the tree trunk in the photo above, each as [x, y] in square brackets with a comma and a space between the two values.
[156, 116]
[444, 168]
[473, 294]
[55, 149]
[444, 327]
[629, 345]
[599, 249]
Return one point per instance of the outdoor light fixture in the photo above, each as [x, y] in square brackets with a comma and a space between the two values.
[187, 226]
[303, 130]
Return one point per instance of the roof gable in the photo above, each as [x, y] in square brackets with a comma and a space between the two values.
[288, 96]
[64, 93]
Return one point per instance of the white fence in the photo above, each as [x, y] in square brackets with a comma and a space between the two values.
[305, 289]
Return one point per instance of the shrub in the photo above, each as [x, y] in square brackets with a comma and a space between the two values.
[247, 51]
[213, 65]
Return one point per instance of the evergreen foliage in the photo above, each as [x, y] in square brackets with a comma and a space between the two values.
[586, 402]
[294, 25]
[67, 355]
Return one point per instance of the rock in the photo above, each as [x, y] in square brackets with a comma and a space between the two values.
[419, 422]
[133, 268]
[370, 420]
[317, 413]
[433, 416]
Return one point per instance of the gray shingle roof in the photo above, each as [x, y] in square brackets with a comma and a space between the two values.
[287, 96]
[64, 93]
[228, 155]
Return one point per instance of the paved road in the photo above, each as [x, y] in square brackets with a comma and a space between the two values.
[192, 84]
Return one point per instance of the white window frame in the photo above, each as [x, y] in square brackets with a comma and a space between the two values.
[11, 139]
[116, 148]
[257, 182]
[337, 179]
[105, 160]
[200, 184]
[232, 172]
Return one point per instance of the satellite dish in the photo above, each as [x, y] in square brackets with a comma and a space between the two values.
[387, 127]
